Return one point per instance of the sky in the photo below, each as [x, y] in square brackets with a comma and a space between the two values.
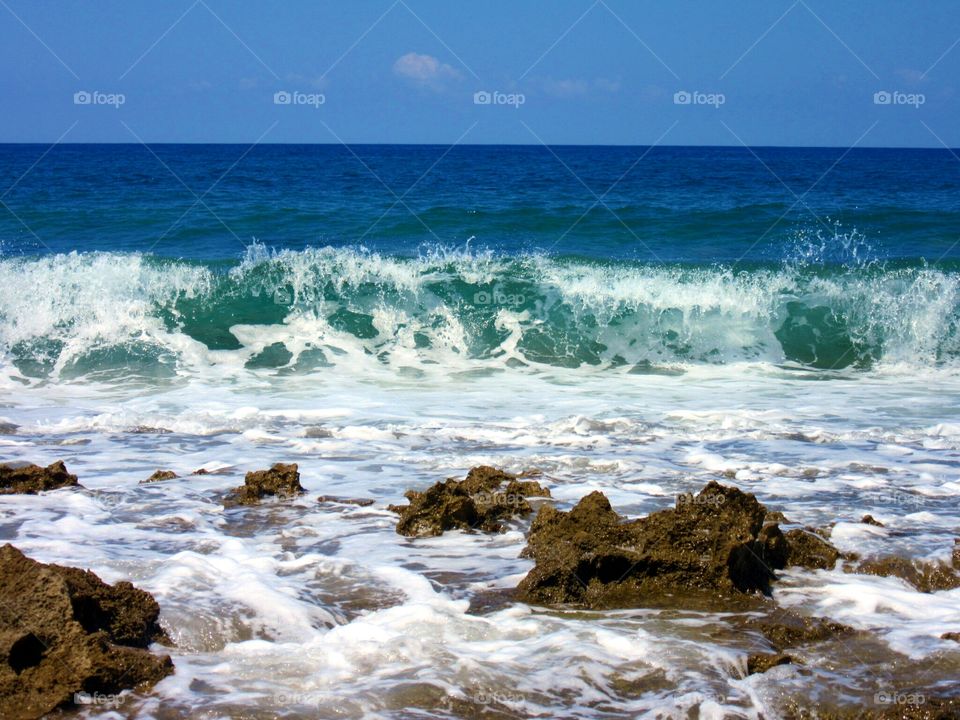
[875, 73]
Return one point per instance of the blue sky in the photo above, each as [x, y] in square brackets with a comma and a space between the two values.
[775, 72]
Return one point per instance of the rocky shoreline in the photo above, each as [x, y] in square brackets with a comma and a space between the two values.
[65, 634]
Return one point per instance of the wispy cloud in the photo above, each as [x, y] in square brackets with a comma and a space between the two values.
[578, 87]
[424, 70]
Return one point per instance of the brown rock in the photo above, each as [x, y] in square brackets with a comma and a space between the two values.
[337, 500]
[810, 550]
[924, 576]
[761, 662]
[713, 542]
[63, 631]
[955, 636]
[477, 502]
[282, 481]
[31, 479]
[159, 475]
[791, 630]
[870, 520]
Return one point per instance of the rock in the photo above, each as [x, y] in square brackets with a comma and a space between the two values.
[714, 542]
[159, 475]
[791, 630]
[337, 500]
[761, 662]
[64, 631]
[282, 481]
[870, 520]
[31, 479]
[924, 576]
[478, 502]
[8, 428]
[810, 551]
[955, 636]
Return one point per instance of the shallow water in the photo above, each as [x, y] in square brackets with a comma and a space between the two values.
[306, 608]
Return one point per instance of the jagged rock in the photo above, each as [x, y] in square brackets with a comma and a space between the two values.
[159, 475]
[870, 520]
[761, 662]
[31, 479]
[64, 631]
[955, 636]
[810, 551]
[282, 481]
[714, 542]
[924, 576]
[478, 502]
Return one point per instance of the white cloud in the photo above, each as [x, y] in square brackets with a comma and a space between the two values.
[579, 87]
[424, 69]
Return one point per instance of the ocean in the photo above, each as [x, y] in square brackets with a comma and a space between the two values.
[633, 320]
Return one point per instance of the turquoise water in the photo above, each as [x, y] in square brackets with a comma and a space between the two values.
[601, 256]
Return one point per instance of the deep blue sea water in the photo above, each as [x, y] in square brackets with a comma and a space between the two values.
[630, 320]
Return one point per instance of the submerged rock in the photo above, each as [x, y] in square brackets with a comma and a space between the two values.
[761, 662]
[338, 500]
[281, 481]
[480, 501]
[64, 632]
[31, 479]
[871, 520]
[790, 630]
[713, 542]
[924, 576]
[159, 475]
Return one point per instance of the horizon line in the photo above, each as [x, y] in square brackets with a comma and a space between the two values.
[495, 144]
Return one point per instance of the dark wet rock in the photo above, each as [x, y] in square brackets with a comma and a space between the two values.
[160, 475]
[775, 516]
[281, 481]
[480, 501]
[924, 576]
[870, 520]
[714, 542]
[31, 479]
[761, 662]
[955, 636]
[63, 631]
[788, 630]
[899, 705]
[956, 554]
[8, 428]
[318, 432]
[810, 550]
[337, 500]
